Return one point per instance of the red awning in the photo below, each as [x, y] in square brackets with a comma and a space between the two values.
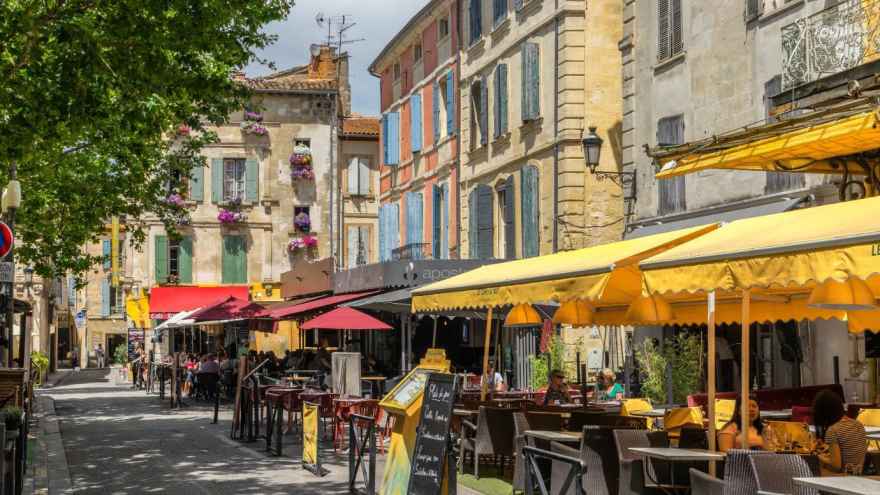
[168, 301]
[320, 303]
[345, 318]
[231, 308]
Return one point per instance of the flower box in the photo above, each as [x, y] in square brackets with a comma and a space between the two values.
[302, 244]
[253, 124]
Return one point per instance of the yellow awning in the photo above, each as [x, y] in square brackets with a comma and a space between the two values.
[803, 150]
[606, 272]
[137, 308]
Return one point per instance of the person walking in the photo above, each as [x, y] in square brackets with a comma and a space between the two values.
[99, 355]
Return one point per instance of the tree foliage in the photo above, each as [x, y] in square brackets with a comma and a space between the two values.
[681, 357]
[91, 91]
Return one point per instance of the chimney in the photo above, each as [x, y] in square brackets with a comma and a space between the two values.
[323, 62]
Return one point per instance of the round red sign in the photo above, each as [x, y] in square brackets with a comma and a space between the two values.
[6, 239]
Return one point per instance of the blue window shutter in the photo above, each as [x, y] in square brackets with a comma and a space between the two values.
[502, 101]
[106, 253]
[450, 104]
[393, 138]
[473, 247]
[394, 226]
[496, 103]
[419, 221]
[436, 109]
[436, 200]
[197, 184]
[444, 232]
[383, 231]
[476, 17]
[217, 180]
[524, 89]
[415, 105]
[485, 222]
[484, 111]
[385, 139]
[534, 79]
[252, 181]
[529, 199]
[509, 216]
[500, 11]
[105, 297]
[410, 218]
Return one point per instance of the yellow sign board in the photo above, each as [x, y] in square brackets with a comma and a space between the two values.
[310, 434]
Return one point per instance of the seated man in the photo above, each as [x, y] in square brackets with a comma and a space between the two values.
[557, 391]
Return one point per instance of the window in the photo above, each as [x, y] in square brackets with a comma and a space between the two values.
[443, 27]
[359, 176]
[669, 35]
[480, 222]
[234, 262]
[440, 222]
[507, 216]
[417, 52]
[500, 100]
[112, 299]
[479, 113]
[233, 179]
[671, 192]
[173, 260]
[302, 142]
[415, 122]
[476, 18]
[397, 71]
[753, 9]
[444, 109]
[499, 11]
[529, 211]
[531, 81]
[358, 245]
[415, 222]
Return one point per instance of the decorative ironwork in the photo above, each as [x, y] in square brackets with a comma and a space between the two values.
[831, 41]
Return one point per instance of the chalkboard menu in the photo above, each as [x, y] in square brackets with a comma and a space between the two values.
[135, 337]
[429, 455]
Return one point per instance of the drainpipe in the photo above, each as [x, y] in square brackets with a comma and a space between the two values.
[455, 94]
[556, 130]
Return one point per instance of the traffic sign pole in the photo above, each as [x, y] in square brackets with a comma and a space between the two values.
[10, 304]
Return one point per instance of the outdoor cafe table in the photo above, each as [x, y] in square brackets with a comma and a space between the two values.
[673, 455]
[556, 436]
[376, 381]
[653, 413]
[842, 485]
[776, 415]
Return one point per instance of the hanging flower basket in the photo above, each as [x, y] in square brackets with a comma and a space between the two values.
[304, 243]
[302, 222]
[302, 173]
[253, 124]
[232, 214]
[301, 163]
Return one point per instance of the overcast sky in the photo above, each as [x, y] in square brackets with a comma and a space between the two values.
[376, 20]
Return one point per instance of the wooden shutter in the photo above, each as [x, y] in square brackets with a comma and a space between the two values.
[485, 224]
[415, 207]
[436, 219]
[677, 42]
[530, 81]
[234, 260]
[217, 180]
[71, 291]
[484, 111]
[106, 253]
[496, 103]
[161, 259]
[252, 181]
[197, 184]
[444, 231]
[501, 90]
[353, 176]
[476, 18]
[383, 232]
[364, 176]
[754, 8]
[105, 297]
[530, 219]
[393, 138]
[352, 245]
[518, 5]
[385, 139]
[671, 192]
[524, 86]
[415, 110]
[435, 102]
[509, 215]
[394, 226]
[500, 11]
[663, 29]
[184, 263]
[450, 104]
[473, 228]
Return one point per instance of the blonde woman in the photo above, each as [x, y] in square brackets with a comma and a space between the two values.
[609, 389]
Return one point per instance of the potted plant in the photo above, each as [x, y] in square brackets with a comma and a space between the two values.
[301, 163]
[253, 124]
[232, 214]
[12, 418]
[302, 222]
[682, 357]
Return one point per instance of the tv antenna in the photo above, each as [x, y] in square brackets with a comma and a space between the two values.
[337, 26]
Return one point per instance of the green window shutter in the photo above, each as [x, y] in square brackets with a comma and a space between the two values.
[252, 181]
[534, 79]
[197, 184]
[436, 220]
[161, 258]
[484, 111]
[105, 297]
[502, 101]
[217, 180]
[524, 88]
[185, 260]
[496, 103]
[529, 175]
[444, 232]
[106, 253]
[234, 260]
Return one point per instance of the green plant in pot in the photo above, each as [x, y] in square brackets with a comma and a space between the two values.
[12, 418]
[120, 354]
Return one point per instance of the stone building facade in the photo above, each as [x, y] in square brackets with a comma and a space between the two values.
[534, 75]
[359, 191]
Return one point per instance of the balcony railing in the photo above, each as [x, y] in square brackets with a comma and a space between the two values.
[420, 251]
[834, 40]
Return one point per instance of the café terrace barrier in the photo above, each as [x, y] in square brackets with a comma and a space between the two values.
[358, 447]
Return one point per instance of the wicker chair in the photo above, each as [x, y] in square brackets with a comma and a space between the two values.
[705, 484]
[599, 454]
[739, 477]
[530, 421]
[492, 435]
[774, 473]
[632, 466]
[581, 418]
[692, 438]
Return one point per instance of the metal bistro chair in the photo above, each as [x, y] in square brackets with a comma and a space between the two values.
[774, 474]
[492, 435]
[705, 484]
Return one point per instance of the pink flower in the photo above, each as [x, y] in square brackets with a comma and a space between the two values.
[175, 199]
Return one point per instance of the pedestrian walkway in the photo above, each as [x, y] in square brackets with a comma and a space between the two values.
[121, 441]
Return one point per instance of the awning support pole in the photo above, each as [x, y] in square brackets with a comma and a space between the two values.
[744, 385]
[486, 341]
[434, 339]
[710, 375]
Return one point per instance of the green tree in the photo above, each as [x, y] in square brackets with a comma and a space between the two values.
[681, 358]
[90, 93]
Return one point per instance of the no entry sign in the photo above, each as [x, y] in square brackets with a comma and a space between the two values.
[6, 239]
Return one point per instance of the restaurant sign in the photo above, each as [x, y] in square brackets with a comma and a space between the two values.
[310, 460]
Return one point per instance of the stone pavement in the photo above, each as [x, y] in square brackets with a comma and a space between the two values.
[121, 441]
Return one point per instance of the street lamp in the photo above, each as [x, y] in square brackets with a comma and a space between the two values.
[28, 276]
[592, 144]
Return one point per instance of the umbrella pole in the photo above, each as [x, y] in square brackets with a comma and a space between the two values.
[710, 372]
[486, 342]
[434, 339]
[744, 385]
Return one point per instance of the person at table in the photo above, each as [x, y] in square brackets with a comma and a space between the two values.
[842, 440]
[609, 388]
[496, 380]
[557, 390]
[730, 437]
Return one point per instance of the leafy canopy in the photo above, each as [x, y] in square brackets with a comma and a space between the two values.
[91, 90]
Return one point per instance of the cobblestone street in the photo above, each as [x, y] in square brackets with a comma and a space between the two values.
[120, 441]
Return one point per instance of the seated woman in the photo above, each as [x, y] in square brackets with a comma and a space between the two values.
[729, 436]
[557, 391]
[842, 441]
[609, 389]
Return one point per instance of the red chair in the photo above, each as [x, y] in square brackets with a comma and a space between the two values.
[384, 425]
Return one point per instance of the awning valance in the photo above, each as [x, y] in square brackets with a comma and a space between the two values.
[169, 300]
[803, 149]
[345, 318]
[608, 272]
[227, 310]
